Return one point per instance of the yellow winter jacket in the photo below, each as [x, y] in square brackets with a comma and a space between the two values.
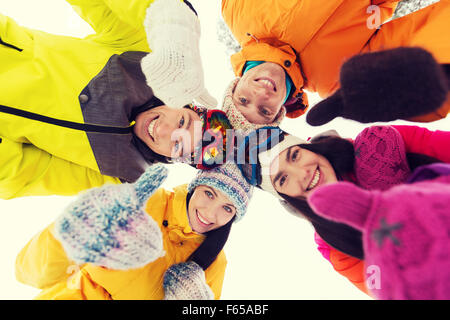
[42, 263]
[49, 76]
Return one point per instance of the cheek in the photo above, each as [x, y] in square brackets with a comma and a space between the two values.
[197, 200]
[223, 218]
[330, 175]
[294, 190]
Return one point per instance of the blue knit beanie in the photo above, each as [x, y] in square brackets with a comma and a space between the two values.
[228, 179]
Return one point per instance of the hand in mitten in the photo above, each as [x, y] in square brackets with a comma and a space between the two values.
[108, 226]
[186, 281]
[387, 85]
[405, 233]
[174, 68]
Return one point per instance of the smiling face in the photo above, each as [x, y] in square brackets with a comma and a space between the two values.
[260, 93]
[299, 171]
[163, 128]
[209, 209]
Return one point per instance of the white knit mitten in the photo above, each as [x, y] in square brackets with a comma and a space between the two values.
[108, 226]
[174, 68]
[186, 281]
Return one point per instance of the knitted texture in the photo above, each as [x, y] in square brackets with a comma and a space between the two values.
[228, 179]
[186, 281]
[380, 158]
[108, 226]
[405, 234]
[174, 68]
[259, 150]
[237, 119]
[387, 85]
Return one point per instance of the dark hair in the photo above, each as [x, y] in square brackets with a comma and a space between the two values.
[338, 235]
[214, 242]
[340, 153]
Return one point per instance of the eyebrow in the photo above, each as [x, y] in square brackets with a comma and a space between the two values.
[189, 121]
[288, 155]
[277, 177]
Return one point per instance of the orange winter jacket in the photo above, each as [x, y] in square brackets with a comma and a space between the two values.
[311, 39]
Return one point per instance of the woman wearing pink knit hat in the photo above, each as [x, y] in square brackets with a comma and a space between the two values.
[380, 158]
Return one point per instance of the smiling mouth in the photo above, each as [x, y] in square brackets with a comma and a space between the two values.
[202, 220]
[151, 128]
[267, 83]
[315, 180]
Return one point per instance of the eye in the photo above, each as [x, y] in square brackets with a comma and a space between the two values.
[282, 181]
[176, 149]
[243, 100]
[228, 209]
[181, 122]
[295, 155]
[209, 194]
[265, 112]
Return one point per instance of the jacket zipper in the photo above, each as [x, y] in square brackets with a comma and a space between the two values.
[10, 45]
[64, 123]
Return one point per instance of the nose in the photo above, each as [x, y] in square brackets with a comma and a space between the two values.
[211, 213]
[303, 177]
[164, 128]
[260, 93]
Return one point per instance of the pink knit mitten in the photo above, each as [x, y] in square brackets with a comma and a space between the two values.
[405, 234]
[380, 158]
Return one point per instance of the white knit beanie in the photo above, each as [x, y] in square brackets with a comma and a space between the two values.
[267, 146]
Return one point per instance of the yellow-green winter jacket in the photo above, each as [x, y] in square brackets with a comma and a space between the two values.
[42, 263]
[66, 103]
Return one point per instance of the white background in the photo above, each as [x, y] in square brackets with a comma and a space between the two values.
[271, 254]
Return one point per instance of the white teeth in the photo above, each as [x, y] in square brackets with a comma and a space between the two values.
[203, 221]
[315, 180]
[266, 83]
[150, 128]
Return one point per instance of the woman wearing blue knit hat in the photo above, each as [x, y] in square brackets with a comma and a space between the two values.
[135, 241]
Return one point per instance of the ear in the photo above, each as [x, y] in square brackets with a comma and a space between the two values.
[342, 202]
[282, 112]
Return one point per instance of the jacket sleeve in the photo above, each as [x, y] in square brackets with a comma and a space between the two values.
[29, 171]
[349, 267]
[423, 141]
[116, 22]
[215, 274]
[79, 286]
[43, 261]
